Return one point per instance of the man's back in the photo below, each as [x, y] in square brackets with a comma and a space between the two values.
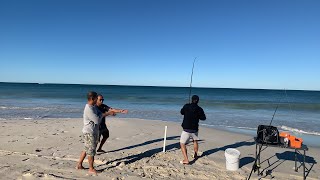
[192, 114]
[91, 119]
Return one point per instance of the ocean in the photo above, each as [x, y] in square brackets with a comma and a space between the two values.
[240, 110]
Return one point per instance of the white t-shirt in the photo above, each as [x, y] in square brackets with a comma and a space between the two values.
[91, 119]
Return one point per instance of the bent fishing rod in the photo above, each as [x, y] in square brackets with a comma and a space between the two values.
[191, 79]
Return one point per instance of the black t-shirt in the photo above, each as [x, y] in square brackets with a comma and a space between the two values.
[103, 108]
[192, 114]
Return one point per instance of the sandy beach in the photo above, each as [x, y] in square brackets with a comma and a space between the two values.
[50, 148]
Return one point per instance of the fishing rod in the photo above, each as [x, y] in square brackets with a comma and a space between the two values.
[191, 79]
[274, 113]
[255, 165]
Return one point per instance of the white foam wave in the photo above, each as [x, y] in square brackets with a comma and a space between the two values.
[286, 128]
[24, 108]
[228, 126]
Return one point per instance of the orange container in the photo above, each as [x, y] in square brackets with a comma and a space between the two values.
[284, 134]
[295, 142]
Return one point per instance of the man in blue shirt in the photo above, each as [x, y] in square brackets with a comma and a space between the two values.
[104, 131]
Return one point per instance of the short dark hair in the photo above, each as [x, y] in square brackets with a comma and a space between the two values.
[195, 99]
[100, 95]
[92, 95]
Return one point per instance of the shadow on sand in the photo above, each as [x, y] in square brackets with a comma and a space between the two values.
[141, 144]
[287, 156]
[243, 161]
[136, 157]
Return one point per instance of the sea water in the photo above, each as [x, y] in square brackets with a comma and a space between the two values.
[240, 110]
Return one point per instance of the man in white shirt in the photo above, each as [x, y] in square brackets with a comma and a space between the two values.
[91, 120]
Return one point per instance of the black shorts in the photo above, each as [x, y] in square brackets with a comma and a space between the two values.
[104, 132]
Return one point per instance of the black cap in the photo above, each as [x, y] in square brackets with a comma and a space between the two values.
[195, 99]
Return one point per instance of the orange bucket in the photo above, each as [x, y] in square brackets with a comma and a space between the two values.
[295, 142]
[284, 135]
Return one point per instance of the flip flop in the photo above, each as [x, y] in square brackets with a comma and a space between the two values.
[195, 156]
[181, 162]
[93, 173]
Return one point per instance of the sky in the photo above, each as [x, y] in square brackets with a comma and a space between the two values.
[238, 43]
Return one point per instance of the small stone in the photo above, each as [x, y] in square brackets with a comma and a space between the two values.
[122, 164]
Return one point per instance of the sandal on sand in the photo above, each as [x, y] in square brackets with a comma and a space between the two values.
[93, 173]
[199, 154]
[181, 162]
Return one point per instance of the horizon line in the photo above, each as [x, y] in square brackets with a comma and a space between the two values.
[159, 86]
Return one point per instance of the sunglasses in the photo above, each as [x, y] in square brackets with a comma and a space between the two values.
[101, 100]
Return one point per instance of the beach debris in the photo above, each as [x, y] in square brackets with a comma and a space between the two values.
[122, 164]
[27, 159]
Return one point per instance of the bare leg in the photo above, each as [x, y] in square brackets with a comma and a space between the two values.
[184, 152]
[101, 144]
[82, 156]
[196, 148]
[91, 169]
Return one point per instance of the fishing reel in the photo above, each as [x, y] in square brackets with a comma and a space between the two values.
[256, 167]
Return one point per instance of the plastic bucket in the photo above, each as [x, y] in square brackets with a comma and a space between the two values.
[232, 159]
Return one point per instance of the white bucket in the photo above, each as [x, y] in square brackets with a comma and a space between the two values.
[232, 159]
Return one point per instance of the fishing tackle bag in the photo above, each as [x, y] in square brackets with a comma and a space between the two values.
[268, 135]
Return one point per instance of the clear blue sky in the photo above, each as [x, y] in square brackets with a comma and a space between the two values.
[239, 44]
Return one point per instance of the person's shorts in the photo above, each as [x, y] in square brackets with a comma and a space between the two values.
[104, 132]
[185, 137]
[90, 143]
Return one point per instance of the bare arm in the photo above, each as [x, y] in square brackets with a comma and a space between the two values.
[123, 111]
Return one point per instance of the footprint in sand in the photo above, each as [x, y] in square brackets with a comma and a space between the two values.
[4, 167]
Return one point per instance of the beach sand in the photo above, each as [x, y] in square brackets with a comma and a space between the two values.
[50, 149]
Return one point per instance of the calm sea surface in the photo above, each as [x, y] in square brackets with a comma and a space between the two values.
[242, 109]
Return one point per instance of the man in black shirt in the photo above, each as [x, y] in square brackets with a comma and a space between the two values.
[104, 132]
[192, 114]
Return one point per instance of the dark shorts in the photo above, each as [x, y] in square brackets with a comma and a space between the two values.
[104, 133]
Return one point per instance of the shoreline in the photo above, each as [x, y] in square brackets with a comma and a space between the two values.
[311, 140]
[50, 149]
